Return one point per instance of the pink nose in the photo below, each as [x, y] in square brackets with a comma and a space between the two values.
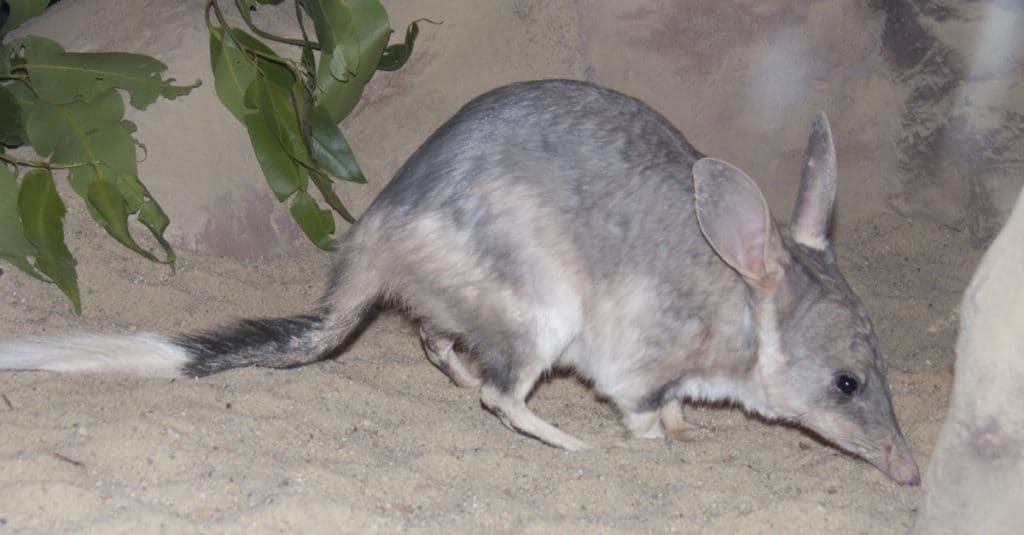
[904, 470]
[900, 463]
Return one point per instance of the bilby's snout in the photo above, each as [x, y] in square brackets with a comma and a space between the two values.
[897, 461]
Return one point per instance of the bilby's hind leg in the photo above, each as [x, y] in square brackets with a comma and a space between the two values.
[511, 408]
[672, 420]
[440, 351]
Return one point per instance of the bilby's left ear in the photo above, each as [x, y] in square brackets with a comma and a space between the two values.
[813, 212]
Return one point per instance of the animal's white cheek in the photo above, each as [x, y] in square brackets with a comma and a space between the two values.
[776, 392]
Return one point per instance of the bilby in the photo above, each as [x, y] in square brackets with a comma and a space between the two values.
[557, 224]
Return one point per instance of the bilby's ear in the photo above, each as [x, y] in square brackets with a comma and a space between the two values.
[734, 218]
[813, 212]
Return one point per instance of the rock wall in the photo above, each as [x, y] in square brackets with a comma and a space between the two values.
[960, 142]
[924, 96]
[974, 480]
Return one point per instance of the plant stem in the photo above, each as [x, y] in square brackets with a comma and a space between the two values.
[43, 165]
[249, 53]
[267, 35]
[302, 28]
[246, 52]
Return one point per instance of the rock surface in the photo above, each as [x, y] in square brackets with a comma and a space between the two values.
[973, 483]
[925, 97]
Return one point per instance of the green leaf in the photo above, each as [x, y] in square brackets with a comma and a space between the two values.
[6, 55]
[324, 13]
[11, 119]
[12, 235]
[113, 150]
[153, 217]
[318, 224]
[232, 72]
[277, 72]
[94, 137]
[42, 214]
[24, 265]
[139, 202]
[336, 23]
[21, 10]
[281, 172]
[330, 149]
[324, 184]
[14, 247]
[338, 66]
[49, 125]
[279, 113]
[132, 190]
[22, 95]
[111, 147]
[62, 77]
[395, 56]
[111, 211]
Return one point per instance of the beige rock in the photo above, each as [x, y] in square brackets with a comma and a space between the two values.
[975, 481]
[741, 81]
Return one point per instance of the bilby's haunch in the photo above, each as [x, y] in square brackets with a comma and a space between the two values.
[557, 224]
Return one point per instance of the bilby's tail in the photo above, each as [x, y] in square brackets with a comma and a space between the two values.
[273, 343]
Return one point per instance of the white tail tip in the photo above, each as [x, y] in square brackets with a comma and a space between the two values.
[143, 354]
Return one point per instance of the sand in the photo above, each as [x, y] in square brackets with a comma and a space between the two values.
[378, 440]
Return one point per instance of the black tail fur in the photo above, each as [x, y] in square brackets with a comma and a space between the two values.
[272, 343]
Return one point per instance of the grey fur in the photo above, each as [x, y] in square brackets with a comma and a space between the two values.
[553, 224]
[557, 224]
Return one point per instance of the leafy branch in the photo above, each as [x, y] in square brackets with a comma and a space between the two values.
[290, 109]
[68, 107]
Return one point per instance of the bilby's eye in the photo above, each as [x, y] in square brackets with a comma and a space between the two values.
[847, 383]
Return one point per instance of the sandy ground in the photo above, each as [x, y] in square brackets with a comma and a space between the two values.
[380, 441]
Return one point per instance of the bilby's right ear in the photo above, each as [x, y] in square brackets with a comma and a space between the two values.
[734, 218]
